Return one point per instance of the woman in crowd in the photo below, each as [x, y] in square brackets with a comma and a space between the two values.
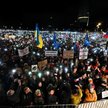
[51, 98]
[27, 97]
[90, 93]
[38, 98]
[76, 95]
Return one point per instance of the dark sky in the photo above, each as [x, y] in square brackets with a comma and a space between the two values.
[59, 15]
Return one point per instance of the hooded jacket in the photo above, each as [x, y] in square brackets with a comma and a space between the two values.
[76, 99]
[90, 97]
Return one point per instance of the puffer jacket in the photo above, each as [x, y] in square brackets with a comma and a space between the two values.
[90, 97]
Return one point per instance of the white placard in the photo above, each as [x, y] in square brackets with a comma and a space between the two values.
[51, 53]
[23, 52]
[34, 68]
[105, 94]
[83, 54]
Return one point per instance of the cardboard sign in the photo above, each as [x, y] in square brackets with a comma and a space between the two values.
[42, 64]
[51, 53]
[34, 68]
[68, 54]
[105, 94]
[83, 54]
[23, 52]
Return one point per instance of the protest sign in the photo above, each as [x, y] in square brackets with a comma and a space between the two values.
[83, 53]
[34, 68]
[23, 52]
[42, 64]
[68, 54]
[51, 53]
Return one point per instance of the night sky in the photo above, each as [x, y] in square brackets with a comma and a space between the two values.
[61, 15]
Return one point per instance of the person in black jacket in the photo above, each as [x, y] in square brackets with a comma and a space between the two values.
[64, 93]
[27, 97]
[38, 98]
[13, 96]
[52, 98]
[3, 97]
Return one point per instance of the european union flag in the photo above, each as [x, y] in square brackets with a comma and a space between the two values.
[87, 43]
[56, 44]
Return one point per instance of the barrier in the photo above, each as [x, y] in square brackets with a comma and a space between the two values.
[50, 106]
[97, 104]
[5, 107]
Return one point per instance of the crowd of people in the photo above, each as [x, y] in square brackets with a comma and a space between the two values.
[60, 81]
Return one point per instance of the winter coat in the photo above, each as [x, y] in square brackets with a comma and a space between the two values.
[38, 100]
[76, 99]
[27, 99]
[3, 98]
[64, 93]
[52, 99]
[90, 97]
[15, 98]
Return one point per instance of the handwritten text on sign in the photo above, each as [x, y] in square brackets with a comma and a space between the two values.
[51, 53]
[42, 64]
[68, 54]
[83, 54]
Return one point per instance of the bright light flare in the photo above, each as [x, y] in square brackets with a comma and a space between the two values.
[39, 75]
[66, 69]
[13, 71]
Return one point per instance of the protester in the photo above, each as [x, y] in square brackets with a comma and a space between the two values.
[13, 96]
[38, 98]
[21, 81]
[27, 97]
[52, 99]
[76, 95]
[90, 93]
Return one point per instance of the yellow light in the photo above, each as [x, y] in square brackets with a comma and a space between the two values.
[98, 25]
[83, 17]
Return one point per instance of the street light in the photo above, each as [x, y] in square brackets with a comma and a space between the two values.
[98, 25]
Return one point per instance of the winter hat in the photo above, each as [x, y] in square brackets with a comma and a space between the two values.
[37, 91]
[10, 92]
[50, 87]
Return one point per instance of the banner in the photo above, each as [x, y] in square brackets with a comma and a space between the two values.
[23, 52]
[105, 94]
[83, 54]
[51, 53]
[34, 68]
[42, 64]
[68, 54]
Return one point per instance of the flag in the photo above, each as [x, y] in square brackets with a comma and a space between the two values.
[37, 35]
[75, 48]
[86, 37]
[40, 42]
[56, 44]
[87, 43]
[38, 38]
